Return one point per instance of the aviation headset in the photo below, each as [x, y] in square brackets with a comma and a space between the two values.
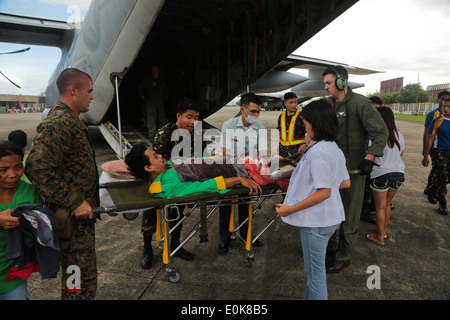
[340, 82]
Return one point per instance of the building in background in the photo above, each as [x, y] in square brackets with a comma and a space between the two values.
[392, 85]
[21, 103]
[436, 88]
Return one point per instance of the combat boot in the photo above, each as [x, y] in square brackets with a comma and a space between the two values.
[147, 256]
[442, 205]
[431, 194]
[175, 242]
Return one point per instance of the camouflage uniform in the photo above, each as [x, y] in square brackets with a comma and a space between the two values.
[162, 142]
[61, 165]
[441, 160]
[433, 176]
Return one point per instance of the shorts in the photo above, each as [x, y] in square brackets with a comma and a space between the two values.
[19, 293]
[392, 180]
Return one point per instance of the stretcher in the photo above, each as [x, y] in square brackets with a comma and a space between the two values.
[132, 196]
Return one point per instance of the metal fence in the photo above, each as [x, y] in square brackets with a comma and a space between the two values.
[413, 108]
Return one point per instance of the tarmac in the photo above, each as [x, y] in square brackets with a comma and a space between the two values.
[413, 264]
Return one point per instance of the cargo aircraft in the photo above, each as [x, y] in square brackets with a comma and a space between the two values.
[209, 50]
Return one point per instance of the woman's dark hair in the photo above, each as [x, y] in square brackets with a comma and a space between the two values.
[8, 148]
[376, 100]
[388, 117]
[323, 119]
[136, 161]
[18, 137]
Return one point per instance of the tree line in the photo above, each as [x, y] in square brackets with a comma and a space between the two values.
[410, 93]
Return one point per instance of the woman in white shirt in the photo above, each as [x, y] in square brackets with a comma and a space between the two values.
[313, 201]
[387, 176]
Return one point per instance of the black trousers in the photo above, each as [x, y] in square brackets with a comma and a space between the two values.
[224, 221]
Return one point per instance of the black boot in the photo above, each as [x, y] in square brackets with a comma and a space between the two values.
[147, 256]
[175, 242]
[432, 198]
[442, 205]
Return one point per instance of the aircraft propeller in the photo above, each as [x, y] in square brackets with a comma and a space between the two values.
[13, 52]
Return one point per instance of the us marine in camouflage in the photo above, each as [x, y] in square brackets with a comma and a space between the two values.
[61, 165]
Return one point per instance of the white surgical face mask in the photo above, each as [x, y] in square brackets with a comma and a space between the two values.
[251, 119]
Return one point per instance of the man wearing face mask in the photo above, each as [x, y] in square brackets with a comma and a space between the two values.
[240, 136]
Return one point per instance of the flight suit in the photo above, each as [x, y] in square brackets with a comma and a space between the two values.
[358, 119]
[61, 166]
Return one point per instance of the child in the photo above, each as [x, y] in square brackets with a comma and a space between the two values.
[312, 201]
[387, 178]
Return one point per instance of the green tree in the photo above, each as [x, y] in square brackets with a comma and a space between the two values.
[390, 97]
[413, 92]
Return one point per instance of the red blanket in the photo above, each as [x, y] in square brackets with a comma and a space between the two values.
[259, 170]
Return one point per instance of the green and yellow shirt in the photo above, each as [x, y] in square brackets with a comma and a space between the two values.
[169, 184]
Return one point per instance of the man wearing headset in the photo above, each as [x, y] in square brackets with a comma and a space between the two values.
[357, 119]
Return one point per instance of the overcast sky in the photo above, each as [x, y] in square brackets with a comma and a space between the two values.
[403, 38]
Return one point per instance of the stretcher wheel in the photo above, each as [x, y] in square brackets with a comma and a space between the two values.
[174, 276]
[250, 258]
[131, 215]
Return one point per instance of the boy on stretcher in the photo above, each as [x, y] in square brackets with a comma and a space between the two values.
[165, 182]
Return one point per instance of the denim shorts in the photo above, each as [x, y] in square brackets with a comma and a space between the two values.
[19, 293]
[392, 180]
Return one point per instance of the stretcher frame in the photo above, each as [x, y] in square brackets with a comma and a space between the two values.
[207, 203]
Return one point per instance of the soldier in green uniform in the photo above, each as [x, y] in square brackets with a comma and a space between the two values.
[61, 165]
[357, 119]
[162, 144]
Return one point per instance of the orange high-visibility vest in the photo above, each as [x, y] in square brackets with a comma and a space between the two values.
[289, 140]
